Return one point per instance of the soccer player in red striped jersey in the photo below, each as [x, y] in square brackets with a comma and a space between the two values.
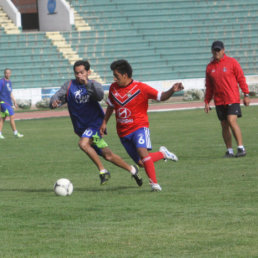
[129, 99]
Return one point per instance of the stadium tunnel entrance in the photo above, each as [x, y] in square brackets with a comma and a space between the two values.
[29, 14]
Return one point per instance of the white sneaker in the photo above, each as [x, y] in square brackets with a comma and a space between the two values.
[155, 187]
[18, 135]
[168, 154]
[2, 137]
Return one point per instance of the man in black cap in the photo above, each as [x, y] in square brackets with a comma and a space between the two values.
[224, 76]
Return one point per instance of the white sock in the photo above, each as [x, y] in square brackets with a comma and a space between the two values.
[241, 147]
[103, 171]
[0, 133]
[230, 151]
[133, 170]
[15, 132]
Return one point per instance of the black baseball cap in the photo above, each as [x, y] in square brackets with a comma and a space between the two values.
[217, 45]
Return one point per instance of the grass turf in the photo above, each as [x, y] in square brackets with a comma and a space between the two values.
[208, 206]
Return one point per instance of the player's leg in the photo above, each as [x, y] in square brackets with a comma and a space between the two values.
[226, 131]
[233, 112]
[142, 142]
[2, 120]
[115, 159]
[118, 161]
[232, 121]
[10, 112]
[108, 155]
[86, 146]
[13, 126]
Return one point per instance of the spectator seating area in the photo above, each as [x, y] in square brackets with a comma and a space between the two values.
[34, 61]
[166, 39]
[163, 40]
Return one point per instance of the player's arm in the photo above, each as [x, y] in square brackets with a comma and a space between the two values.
[95, 90]
[59, 98]
[240, 77]
[208, 93]
[167, 94]
[13, 100]
[109, 112]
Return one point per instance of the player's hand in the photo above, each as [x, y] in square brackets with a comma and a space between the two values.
[56, 103]
[103, 128]
[246, 101]
[178, 86]
[82, 78]
[207, 108]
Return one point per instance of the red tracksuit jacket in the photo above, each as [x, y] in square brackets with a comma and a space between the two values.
[222, 80]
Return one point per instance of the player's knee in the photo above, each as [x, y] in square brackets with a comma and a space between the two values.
[108, 155]
[84, 145]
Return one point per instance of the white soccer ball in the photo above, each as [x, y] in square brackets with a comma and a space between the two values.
[63, 187]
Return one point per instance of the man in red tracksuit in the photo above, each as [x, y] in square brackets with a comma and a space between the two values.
[224, 76]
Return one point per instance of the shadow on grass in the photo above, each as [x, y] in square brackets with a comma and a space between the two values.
[88, 189]
[104, 188]
[27, 190]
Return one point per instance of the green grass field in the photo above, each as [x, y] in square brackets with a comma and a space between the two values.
[208, 206]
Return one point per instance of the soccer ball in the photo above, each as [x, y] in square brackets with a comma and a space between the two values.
[63, 187]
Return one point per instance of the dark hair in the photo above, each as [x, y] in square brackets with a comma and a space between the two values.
[85, 63]
[122, 66]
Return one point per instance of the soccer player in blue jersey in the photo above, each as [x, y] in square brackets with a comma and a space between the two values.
[82, 96]
[7, 101]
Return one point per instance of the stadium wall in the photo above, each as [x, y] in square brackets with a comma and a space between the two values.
[55, 15]
[37, 94]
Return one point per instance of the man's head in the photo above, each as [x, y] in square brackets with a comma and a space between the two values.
[7, 73]
[81, 70]
[122, 72]
[218, 50]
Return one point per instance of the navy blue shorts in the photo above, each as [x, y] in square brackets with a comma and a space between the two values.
[98, 142]
[138, 139]
[6, 110]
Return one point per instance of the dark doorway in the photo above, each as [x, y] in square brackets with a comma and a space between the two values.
[30, 21]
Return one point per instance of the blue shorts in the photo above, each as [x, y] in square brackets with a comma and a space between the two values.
[138, 139]
[6, 110]
[98, 142]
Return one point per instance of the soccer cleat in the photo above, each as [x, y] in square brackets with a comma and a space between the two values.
[2, 137]
[104, 177]
[168, 154]
[18, 135]
[136, 176]
[155, 187]
[240, 153]
[229, 155]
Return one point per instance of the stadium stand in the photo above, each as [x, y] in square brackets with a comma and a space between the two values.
[34, 61]
[7, 24]
[163, 40]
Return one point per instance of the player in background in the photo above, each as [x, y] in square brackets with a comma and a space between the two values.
[82, 96]
[129, 99]
[224, 76]
[7, 100]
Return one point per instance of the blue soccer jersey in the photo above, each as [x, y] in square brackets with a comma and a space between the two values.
[5, 91]
[85, 112]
